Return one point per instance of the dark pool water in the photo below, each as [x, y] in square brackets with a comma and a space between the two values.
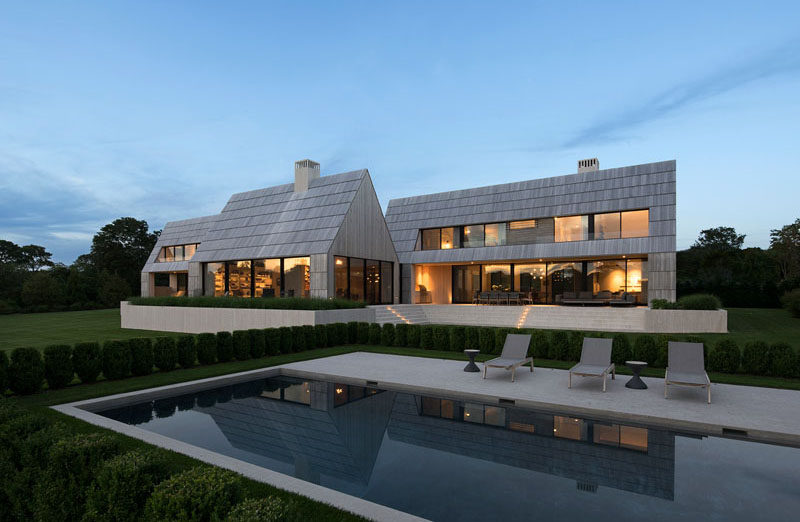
[455, 460]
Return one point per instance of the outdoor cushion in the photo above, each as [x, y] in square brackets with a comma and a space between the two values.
[591, 369]
[687, 378]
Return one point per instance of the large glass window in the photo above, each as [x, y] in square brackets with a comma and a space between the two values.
[267, 277]
[188, 251]
[473, 236]
[296, 273]
[356, 279]
[606, 276]
[564, 278]
[450, 238]
[636, 283]
[239, 278]
[431, 239]
[523, 232]
[571, 228]
[636, 223]
[494, 234]
[373, 281]
[214, 279]
[340, 276]
[497, 278]
[387, 280]
[530, 279]
[607, 226]
[169, 254]
[466, 282]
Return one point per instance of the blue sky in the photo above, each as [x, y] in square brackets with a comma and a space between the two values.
[161, 110]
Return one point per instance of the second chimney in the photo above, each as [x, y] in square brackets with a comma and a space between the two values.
[588, 165]
[305, 171]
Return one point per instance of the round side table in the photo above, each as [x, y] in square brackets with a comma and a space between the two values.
[472, 367]
[636, 382]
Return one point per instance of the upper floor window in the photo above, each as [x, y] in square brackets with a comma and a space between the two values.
[176, 253]
[571, 228]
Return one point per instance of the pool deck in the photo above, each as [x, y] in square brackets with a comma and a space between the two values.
[765, 414]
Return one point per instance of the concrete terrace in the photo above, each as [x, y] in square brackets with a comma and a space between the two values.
[767, 415]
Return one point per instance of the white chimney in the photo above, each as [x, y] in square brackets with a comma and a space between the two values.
[305, 171]
[588, 165]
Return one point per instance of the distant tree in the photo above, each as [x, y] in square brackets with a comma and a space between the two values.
[720, 238]
[9, 252]
[43, 289]
[113, 289]
[122, 248]
[784, 245]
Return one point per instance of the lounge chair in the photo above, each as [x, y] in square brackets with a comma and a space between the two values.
[595, 360]
[685, 367]
[514, 354]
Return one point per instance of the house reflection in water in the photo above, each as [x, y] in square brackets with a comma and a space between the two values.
[332, 434]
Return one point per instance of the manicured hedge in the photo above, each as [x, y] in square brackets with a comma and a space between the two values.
[559, 345]
[224, 346]
[362, 333]
[755, 358]
[486, 340]
[387, 334]
[782, 360]
[25, 371]
[58, 365]
[472, 339]
[116, 359]
[352, 332]
[725, 357]
[457, 338]
[286, 343]
[321, 335]
[142, 358]
[298, 339]
[645, 349]
[201, 493]
[401, 334]
[441, 337]
[413, 335]
[241, 345]
[540, 344]
[186, 346]
[426, 337]
[206, 348]
[258, 344]
[87, 361]
[699, 302]
[268, 509]
[620, 349]
[165, 353]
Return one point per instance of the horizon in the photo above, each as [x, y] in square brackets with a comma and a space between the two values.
[162, 112]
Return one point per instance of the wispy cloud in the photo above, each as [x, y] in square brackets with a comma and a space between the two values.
[780, 61]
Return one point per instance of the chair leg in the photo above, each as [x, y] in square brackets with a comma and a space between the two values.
[709, 393]
[665, 389]
[484, 371]
[604, 382]
[570, 380]
[513, 369]
[613, 374]
[531, 364]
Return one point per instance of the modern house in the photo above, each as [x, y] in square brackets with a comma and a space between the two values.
[321, 236]
[597, 235]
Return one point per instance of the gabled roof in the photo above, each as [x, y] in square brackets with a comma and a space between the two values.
[182, 232]
[279, 222]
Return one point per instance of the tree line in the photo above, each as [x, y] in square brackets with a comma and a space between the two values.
[741, 277]
[31, 282]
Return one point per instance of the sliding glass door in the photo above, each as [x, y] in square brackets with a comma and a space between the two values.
[466, 282]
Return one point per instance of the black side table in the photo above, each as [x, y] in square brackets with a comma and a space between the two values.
[472, 367]
[636, 382]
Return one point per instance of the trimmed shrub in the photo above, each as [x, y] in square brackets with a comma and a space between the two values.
[241, 345]
[755, 358]
[339, 333]
[186, 346]
[363, 333]
[352, 332]
[426, 337]
[298, 339]
[3, 372]
[663, 304]
[486, 340]
[576, 345]
[201, 493]
[207, 348]
[662, 345]
[374, 334]
[310, 338]
[321, 335]
[559, 345]
[413, 336]
[272, 340]
[699, 302]
[620, 349]
[73, 463]
[287, 343]
[116, 359]
[165, 353]
[499, 340]
[540, 344]
[725, 357]
[457, 338]
[268, 509]
[791, 300]
[645, 349]
[441, 337]
[123, 485]
[87, 361]
[58, 365]
[25, 371]
[401, 334]
[387, 334]
[141, 356]
[781, 360]
[472, 338]
[258, 344]
[224, 346]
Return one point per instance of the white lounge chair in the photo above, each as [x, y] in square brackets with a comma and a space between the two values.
[514, 354]
[685, 367]
[595, 360]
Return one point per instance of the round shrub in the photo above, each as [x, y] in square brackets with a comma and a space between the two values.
[86, 361]
[699, 302]
[755, 358]
[241, 345]
[3, 372]
[575, 345]
[272, 340]
[791, 300]
[207, 348]
[457, 338]
[142, 358]
[645, 349]
[287, 343]
[123, 485]
[363, 333]
[268, 509]
[186, 346]
[352, 332]
[387, 334]
[663, 304]
[25, 371]
[559, 345]
[165, 353]
[620, 349]
[441, 337]
[58, 365]
[321, 335]
[340, 334]
[116, 359]
[201, 493]
[426, 337]
[299, 338]
[258, 344]
[781, 360]
[374, 334]
[224, 346]
[401, 334]
[310, 337]
[725, 357]
[413, 336]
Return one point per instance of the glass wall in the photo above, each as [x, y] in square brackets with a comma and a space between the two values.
[267, 277]
[239, 278]
[607, 226]
[466, 282]
[450, 238]
[571, 228]
[494, 234]
[606, 276]
[636, 223]
[364, 280]
[637, 279]
[297, 277]
[387, 282]
[496, 278]
[431, 239]
[373, 281]
[532, 280]
[340, 277]
[169, 254]
[473, 236]
[214, 279]
[356, 279]
[564, 277]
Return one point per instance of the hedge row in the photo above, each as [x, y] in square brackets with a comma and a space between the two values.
[28, 370]
[48, 472]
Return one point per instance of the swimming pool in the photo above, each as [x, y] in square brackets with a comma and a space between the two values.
[447, 459]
